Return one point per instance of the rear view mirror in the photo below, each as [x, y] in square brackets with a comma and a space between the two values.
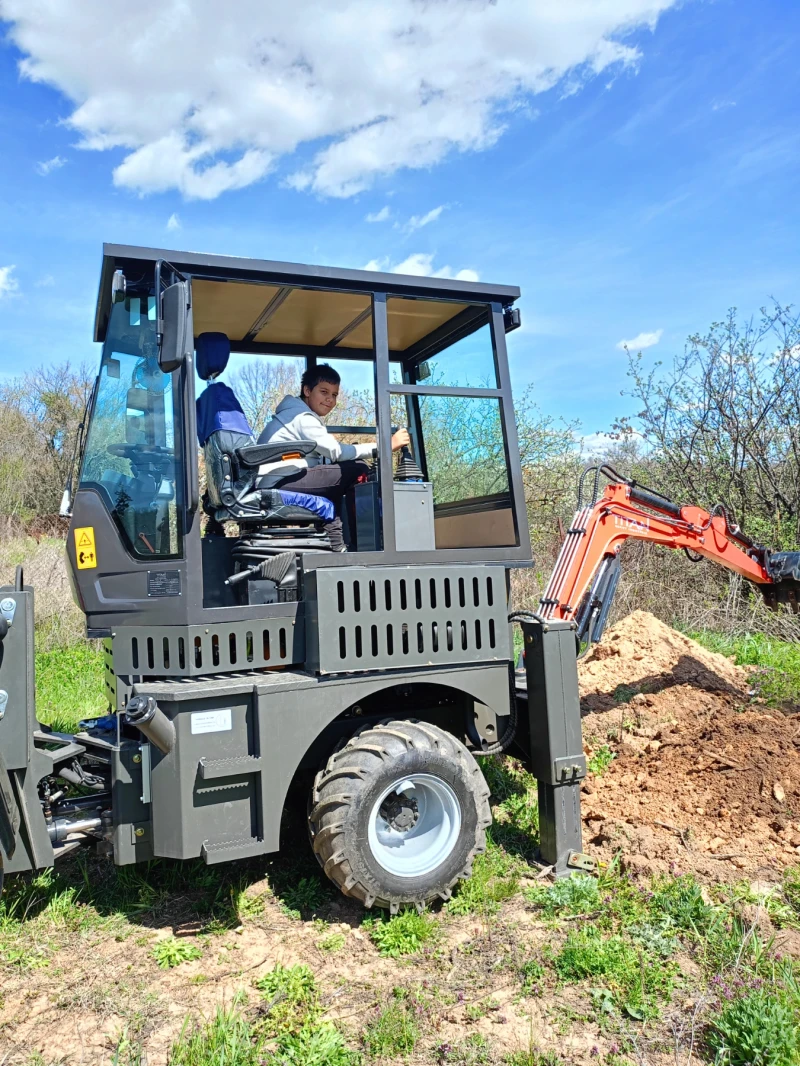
[173, 329]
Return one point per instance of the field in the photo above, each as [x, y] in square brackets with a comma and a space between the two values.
[683, 948]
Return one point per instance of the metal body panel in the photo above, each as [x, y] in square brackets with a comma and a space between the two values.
[388, 617]
[220, 792]
[413, 516]
[194, 651]
[18, 711]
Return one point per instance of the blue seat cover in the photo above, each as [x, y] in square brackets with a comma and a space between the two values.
[318, 504]
[218, 410]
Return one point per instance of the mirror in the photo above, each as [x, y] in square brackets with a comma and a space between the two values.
[173, 327]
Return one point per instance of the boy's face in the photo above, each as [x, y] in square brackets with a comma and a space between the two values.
[322, 398]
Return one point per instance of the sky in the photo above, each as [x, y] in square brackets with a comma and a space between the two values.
[632, 165]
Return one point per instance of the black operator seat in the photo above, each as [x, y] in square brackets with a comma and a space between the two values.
[232, 459]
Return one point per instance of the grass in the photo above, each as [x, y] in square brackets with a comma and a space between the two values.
[70, 685]
[777, 679]
[600, 760]
[495, 877]
[226, 1040]
[394, 1031]
[403, 934]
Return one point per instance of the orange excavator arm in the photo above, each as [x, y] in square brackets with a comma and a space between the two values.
[586, 573]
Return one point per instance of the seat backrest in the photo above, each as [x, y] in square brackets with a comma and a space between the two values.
[222, 426]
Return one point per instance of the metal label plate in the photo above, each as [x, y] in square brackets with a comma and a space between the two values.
[163, 583]
[212, 721]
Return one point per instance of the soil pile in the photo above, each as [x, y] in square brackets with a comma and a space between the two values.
[702, 776]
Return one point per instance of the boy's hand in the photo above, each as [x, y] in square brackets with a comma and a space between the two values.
[400, 440]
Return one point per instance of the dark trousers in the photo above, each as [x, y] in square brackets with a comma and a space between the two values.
[332, 481]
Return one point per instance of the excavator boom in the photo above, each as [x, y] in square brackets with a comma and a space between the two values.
[587, 570]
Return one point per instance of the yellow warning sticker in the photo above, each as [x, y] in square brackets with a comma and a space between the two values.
[84, 548]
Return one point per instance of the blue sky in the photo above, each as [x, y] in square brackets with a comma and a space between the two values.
[637, 195]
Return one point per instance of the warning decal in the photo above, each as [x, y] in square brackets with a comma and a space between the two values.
[84, 548]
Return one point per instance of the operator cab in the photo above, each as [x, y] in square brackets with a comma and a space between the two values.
[433, 354]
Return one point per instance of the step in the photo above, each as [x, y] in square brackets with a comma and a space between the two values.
[228, 850]
[213, 769]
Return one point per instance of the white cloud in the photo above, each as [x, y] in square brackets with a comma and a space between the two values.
[641, 341]
[8, 283]
[378, 216]
[47, 165]
[45, 282]
[173, 222]
[371, 88]
[418, 221]
[420, 264]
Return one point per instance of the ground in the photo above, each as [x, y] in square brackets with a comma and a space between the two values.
[682, 945]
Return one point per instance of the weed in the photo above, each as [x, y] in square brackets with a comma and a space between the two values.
[681, 899]
[314, 1045]
[791, 887]
[515, 805]
[600, 760]
[227, 1039]
[532, 974]
[495, 877]
[531, 1057]
[172, 952]
[393, 1032]
[578, 894]
[304, 898]
[292, 1001]
[758, 1027]
[624, 693]
[404, 934]
[332, 943]
[635, 981]
[473, 1050]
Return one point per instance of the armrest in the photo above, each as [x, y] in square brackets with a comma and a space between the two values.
[256, 454]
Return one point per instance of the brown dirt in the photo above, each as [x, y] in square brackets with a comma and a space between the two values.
[704, 778]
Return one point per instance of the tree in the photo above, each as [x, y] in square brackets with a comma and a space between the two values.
[40, 413]
[722, 422]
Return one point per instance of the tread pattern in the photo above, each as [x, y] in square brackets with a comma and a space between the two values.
[347, 773]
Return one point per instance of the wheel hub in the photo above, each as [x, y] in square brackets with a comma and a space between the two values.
[400, 813]
[414, 825]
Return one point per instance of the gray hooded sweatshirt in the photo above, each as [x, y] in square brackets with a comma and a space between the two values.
[293, 421]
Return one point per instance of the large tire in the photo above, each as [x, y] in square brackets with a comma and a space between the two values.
[399, 814]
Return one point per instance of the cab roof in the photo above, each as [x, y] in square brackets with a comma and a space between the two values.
[265, 305]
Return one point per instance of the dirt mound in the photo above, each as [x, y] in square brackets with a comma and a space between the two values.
[644, 655]
[702, 777]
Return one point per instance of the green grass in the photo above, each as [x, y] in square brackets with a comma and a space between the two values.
[403, 934]
[70, 685]
[777, 679]
[473, 1050]
[637, 981]
[394, 1031]
[495, 877]
[227, 1040]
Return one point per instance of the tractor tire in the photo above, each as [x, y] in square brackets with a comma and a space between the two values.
[398, 815]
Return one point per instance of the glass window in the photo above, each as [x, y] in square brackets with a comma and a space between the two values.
[133, 446]
[465, 461]
[467, 362]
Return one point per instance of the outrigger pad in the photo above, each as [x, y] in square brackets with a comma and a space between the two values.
[784, 569]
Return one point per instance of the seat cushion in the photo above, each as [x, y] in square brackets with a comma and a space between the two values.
[218, 411]
[317, 505]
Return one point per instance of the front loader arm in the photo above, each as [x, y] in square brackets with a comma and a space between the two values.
[587, 569]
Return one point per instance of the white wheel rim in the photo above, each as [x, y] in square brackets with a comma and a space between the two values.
[419, 848]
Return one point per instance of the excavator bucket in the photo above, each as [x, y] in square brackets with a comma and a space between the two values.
[784, 569]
